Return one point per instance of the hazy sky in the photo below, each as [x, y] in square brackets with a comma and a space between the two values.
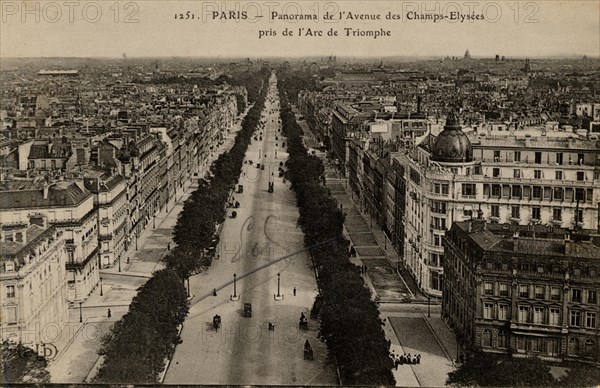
[107, 28]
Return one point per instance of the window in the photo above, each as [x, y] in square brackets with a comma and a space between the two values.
[539, 292]
[573, 349]
[496, 191]
[537, 174]
[496, 156]
[437, 240]
[555, 293]
[554, 317]
[503, 289]
[524, 291]
[10, 291]
[558, 175]
[439, 207]
[488, 288]
[580, 175]
[579, 194]
[503, 312]
[515, 212]
[516, 173]
[486, 338]
[557, 214]
[488, 310]
[538, 158]
[552, 346]
[445, 188]
[589, 348]
[537, 192]
[538, 315]
[11, 315]
[559, 158]
[575, 318]
[536, 212]
[495, 172]
[468, 189]
[575, 295]
[592, 297]
[558, 193]
[517, 191]
[590, 320]
[502, 339]
[495, 211]
[521, 344]
[517, 156]
[523, 314]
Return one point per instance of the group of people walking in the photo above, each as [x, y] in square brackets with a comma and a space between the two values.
[400, 359]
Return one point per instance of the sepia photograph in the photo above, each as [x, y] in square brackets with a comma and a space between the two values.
[300, 193]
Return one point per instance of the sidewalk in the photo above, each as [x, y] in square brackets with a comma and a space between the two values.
[78, 342]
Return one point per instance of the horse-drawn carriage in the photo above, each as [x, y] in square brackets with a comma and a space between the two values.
[247, 310]
[216, 322]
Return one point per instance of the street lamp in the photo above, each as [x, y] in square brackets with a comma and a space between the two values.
[278, 284]
[80, 313]
[119, 263]
[234, 286]
[101, 294]
[278, 296]
[188, 287]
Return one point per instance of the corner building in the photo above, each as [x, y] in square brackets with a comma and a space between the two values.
[523, 290]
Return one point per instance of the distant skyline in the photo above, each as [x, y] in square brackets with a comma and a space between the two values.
[540, 29]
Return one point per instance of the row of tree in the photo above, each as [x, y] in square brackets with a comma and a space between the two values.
[350, 321]
[137, 346]
[196, 229]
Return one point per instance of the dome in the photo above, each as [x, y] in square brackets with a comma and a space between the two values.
[452, 145]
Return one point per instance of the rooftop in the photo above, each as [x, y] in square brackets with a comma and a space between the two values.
[532, 240]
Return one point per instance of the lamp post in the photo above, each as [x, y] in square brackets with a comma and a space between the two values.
[119, 263]
[234, 286]
[101, 293]
[278, 284]
[80, 313]
[188, 286]
[136, 238]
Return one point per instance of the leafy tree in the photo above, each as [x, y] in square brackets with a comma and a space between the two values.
[137, 346]
[21, 364]
[485, 369]
[581, 375]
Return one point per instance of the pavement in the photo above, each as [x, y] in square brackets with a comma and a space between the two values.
[77, 342]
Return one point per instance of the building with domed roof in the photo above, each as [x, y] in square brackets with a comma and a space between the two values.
[533, 176]
[433, 197]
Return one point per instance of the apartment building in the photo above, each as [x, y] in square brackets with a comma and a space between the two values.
[525, 290]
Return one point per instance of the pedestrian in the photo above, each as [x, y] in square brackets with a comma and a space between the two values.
[365, 269]
[419, 358]
[396, 361]
[168, 247]
[109, 313]
[214, 292]
[294, 291]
